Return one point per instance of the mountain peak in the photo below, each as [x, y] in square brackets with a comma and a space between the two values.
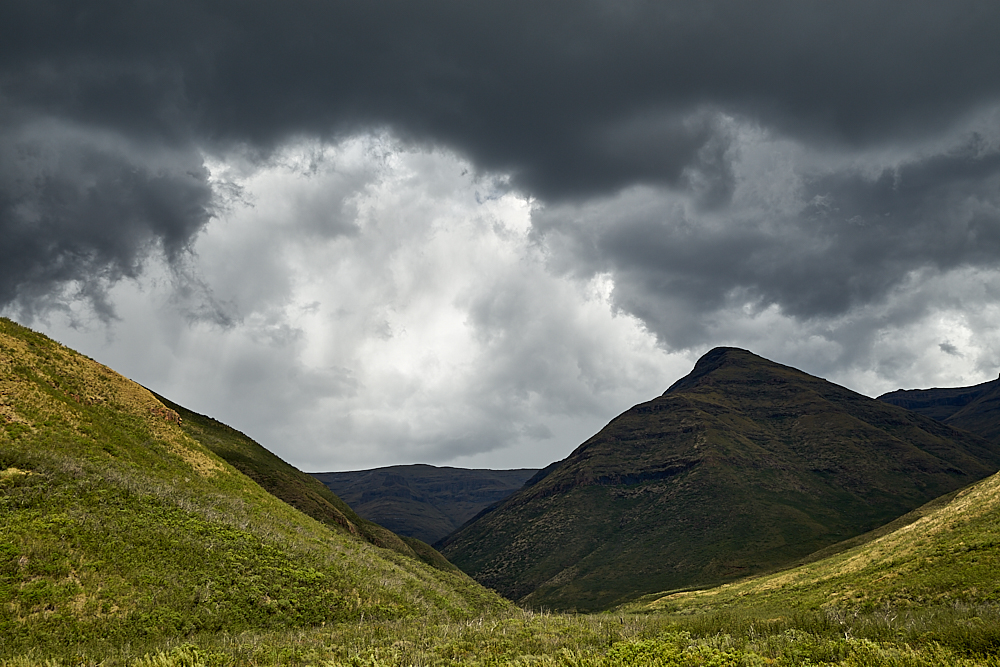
[711, 361]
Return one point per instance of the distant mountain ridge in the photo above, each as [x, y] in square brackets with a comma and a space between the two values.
[423, 501]
[975, 409]
[742, 466]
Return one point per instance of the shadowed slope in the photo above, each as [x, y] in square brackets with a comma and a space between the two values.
[116, 525]
[743, 466]
[940, 555]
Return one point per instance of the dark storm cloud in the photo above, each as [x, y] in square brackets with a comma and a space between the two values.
[941, 213]
[78, 209]
[571, 97]
[948, 348]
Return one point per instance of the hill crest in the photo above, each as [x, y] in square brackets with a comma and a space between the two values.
[975, 409]
[711, 361]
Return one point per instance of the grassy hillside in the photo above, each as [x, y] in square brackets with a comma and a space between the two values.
[744, 466]
[118, 526]
[940, 562]
[300, 490]
[423, 501]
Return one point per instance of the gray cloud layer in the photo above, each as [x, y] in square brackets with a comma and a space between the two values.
[817, 237]
[571, 97]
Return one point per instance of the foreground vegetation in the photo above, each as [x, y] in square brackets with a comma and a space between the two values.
[957, 636]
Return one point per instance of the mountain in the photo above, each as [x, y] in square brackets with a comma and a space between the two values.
[124, 518]
[941, 556]
[741, 467]
[975, 409]
[423, 501]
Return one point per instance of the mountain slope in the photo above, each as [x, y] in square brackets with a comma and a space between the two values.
[975, 409]
[423, 501]
[942, 554]
[116, 525]
[743, 466]
[286, 482]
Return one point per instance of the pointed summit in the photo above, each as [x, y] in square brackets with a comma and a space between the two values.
[713, 360]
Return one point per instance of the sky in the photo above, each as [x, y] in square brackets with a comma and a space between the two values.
[471, 233]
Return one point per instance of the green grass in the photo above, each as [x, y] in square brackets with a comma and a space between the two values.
[118, 527]
[963, 638]
[300, 490]
[945, 559]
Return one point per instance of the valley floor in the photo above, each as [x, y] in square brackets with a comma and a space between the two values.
[956, 635]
